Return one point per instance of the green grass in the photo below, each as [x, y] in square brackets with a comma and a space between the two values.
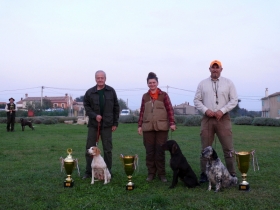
[30, 176]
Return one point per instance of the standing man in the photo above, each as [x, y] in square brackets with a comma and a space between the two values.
[102, 108]
[11, 109]
[215, 97]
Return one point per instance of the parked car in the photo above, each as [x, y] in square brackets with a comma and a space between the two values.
[125, 112]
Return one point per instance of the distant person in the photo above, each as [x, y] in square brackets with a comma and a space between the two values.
[215, 97]
[155, 119]
[11, 109]
[102, 108]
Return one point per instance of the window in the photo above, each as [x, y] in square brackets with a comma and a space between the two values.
[262, 102]
[55, 105]
[278, 98]
[63, 105]
[279, 112]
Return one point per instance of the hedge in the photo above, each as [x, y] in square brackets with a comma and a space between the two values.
[243, 120]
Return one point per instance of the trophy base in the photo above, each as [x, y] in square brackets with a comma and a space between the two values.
[129, 186]
[68, 184]
[243, 187]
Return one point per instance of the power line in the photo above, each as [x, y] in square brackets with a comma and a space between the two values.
[19, 89]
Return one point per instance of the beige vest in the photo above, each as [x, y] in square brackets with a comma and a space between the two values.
[155, 115]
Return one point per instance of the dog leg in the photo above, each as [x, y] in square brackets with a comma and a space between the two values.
[218, 183]
[105, 175]
[209, 186]
[22, 128]
[175, 179]
[92, 176]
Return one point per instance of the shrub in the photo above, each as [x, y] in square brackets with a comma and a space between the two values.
[261, 121]
[180, 119]
[193, 120]
[49, 121]
[37, 121]
[243, 120]
[128, 119]
[3, 119]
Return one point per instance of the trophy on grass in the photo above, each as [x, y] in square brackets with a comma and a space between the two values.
[130, 163]
[69, 164]
[243, 161]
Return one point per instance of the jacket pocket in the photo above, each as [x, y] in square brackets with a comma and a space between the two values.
[162, 125]
[147, 126]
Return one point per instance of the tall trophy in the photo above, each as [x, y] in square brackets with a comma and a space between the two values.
[130, 163]
[243, 162]
[69, 164]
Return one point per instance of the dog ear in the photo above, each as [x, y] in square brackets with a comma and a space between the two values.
[174, 148]
[98, 151]
[214, 154]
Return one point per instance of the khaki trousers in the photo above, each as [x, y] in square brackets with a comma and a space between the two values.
[155, 155]
[209, 127]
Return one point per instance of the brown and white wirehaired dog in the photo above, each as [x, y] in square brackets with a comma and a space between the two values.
[98, 166]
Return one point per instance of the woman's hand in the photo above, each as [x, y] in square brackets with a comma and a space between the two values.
[140, 130]
[173, 127]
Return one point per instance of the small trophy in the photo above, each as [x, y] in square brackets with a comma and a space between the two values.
[243, 162]
[130, 164]
[69, 164]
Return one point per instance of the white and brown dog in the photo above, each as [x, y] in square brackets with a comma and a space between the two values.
[216, 172]
[98, 166]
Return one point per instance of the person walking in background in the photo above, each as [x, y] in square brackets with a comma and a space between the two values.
[11, 109]
[102, 108]
[155, 119]
[215, 97]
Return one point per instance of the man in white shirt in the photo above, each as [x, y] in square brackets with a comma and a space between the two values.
[215, 97]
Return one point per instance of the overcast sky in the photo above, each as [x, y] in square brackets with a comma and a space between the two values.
[60, 45]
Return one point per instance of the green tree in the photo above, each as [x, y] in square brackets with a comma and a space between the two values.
[234, 112]
[47, 104]
[2, 106]
[80, 99]
[122, 104]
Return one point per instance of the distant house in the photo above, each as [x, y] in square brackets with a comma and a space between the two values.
[185, 109]
[57, 101]
[271, 105]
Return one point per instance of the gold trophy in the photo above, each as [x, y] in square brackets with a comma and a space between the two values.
[130, 164]
[69, 164]
[243, 162]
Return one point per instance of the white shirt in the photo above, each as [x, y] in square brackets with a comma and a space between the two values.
[205, 96]
[7, 110]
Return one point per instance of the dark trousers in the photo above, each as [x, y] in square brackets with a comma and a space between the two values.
[10, 121]
[106, 139]
[209, 127]
[155, 155]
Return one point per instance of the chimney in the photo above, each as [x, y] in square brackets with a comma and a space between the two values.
[21, 99]
[266, 92]
[26, 95]
[66, 94]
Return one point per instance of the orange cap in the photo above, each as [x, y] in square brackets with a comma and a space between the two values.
[217, 62]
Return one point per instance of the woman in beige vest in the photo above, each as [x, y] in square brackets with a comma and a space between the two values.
[155, 119]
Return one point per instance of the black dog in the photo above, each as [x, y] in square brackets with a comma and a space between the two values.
[180, 166]
[24, 123]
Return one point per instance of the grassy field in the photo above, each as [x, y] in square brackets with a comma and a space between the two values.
[30, 174]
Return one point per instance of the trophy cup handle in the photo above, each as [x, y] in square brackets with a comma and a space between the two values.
[121, 158]
[61, 163]
[77, 165]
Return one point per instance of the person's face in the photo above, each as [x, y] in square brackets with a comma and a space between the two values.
[100, 79]
[215, 71]
[11, 101]
[152, 84]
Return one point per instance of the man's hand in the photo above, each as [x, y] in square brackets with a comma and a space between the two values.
[140, 130]
[209, 113]
[98, 118]
[219, 115]
[173, 127]
[114, 128]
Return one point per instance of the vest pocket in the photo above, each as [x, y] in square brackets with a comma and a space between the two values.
[147, 126]
[162, 125]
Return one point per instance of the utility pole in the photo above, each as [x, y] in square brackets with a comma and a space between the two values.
[127, 102]
[42, 97]
[167, 88]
